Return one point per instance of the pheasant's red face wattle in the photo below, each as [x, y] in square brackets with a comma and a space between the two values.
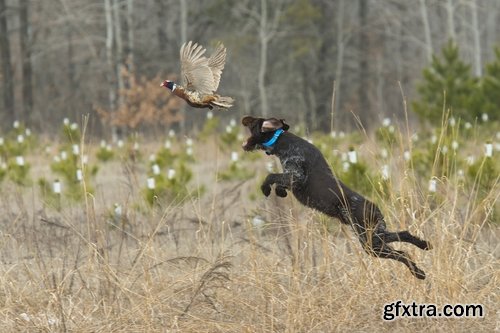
[168, 84]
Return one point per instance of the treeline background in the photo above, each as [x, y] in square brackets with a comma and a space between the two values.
[66, 58]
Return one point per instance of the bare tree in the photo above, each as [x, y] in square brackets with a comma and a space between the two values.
[161, 11]
[7, 74]
[450, 10]
[108, 10]
[117, 26]
[183, 33]
[25, 50]
[363, 49]
[264, 38]
[491, 27]
[130, 35]
[427, 30]
[340, 56]
[477, 39]
[267, 30]
[184, 22]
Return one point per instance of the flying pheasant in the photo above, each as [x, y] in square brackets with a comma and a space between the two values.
[200, 77]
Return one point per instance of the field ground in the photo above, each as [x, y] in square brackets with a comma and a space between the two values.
[224, 262]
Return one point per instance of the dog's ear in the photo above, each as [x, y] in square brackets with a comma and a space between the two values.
[285, 125]
[247, 120]
[271, 124]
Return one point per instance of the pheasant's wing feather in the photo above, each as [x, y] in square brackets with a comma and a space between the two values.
[216, 63]
[196, 74]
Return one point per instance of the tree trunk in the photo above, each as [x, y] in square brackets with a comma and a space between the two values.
[7, 74]
[25, 49]
[110, 64]
[118, 60]
[183, 9]
[313, 105]
[263, 37]
[130, 36]
[364, 106]
[339, 66]
[493, 27]
[119, 49]
[451, 20]
[477, 39]
[183, 32]
[403, 48]
[162, 36]
[427, 30]
[72, 82]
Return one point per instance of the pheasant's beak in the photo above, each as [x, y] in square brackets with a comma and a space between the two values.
[162, 84]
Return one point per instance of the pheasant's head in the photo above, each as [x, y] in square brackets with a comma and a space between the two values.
[261, 131]
[168, 84]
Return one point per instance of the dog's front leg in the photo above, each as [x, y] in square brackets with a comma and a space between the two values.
[282, 181]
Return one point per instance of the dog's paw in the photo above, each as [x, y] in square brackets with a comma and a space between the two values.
[266, 189]
[280, 191]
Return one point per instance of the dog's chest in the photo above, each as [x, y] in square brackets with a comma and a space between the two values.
[291, 159]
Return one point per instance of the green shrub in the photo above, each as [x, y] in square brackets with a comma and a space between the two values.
[355, 175]
[171, 177]
[18, 171]
[50, 198]
[70, 170]
[229, 137]
[17, 144]
[491, 87]
[105, 152]
[386, 134]
[70, 167]
[448, 79]
[484, 174]
[236, 171]
[3, 170]
[210, 126]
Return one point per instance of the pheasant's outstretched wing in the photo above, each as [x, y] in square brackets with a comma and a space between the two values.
[195, 70]
[216, 63]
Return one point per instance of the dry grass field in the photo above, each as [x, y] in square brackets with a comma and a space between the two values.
[226, 262]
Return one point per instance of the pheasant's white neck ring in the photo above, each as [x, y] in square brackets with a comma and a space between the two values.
[273, 140]
[173, 87]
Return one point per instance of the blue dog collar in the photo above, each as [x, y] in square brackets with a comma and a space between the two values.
[275, 137]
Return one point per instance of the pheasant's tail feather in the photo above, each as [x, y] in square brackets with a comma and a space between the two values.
[223, 102]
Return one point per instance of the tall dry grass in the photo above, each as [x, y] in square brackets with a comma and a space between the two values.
[205, 265]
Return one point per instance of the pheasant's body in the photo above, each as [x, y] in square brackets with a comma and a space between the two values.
[200, 77]
[198, 100]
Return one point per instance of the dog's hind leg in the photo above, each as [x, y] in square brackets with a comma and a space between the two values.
[405, 236]
[386, 251]
[375, 243]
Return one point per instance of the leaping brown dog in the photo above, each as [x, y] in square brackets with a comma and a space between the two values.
[307, 174]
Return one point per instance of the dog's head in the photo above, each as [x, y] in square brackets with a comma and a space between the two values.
[261, 130]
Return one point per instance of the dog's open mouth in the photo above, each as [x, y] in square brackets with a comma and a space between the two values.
[247, 144]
